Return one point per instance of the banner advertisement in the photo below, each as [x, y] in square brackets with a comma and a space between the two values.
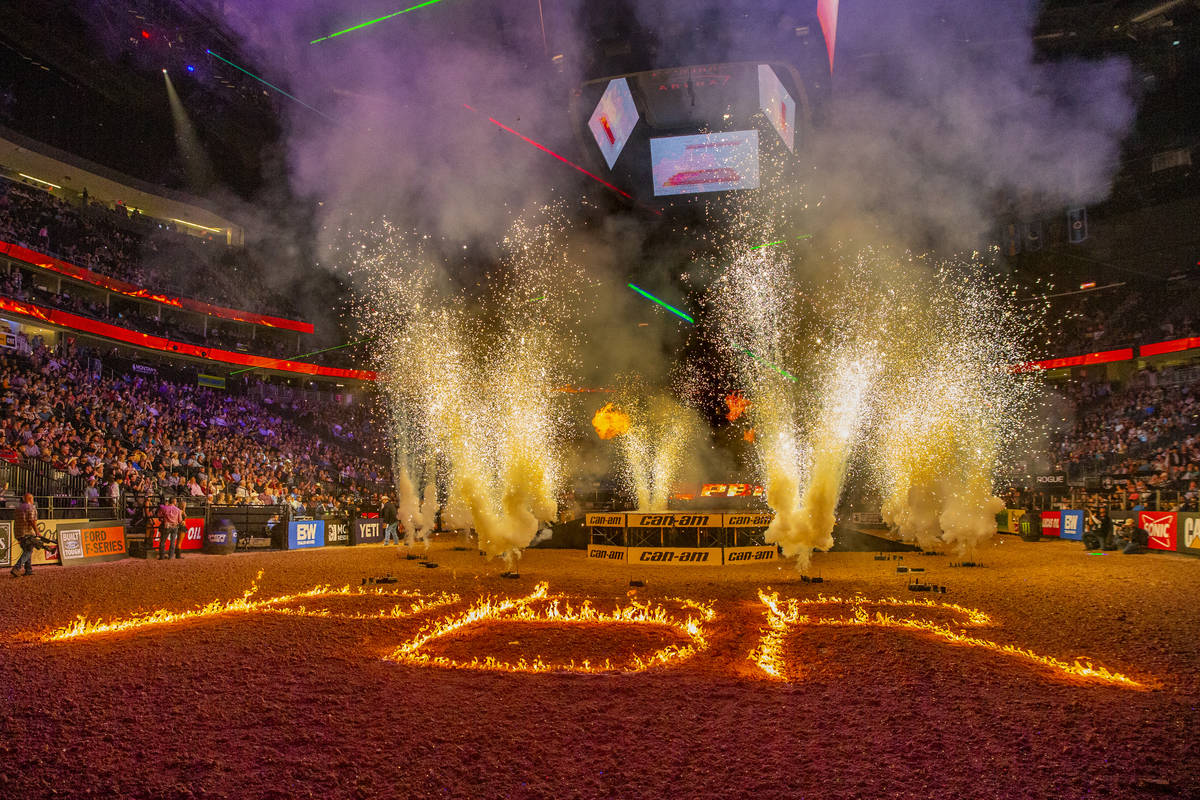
[7, 556]
[676, 556]
[1009, 520]
[605, 520]
[305, 534]
[48, 529]
[92, 542]
[1072, 525]
[1187, 529]
[1050, 523]
[670, 520]
[755, 520]
[866, 518]
[337, 532]
[1049, 482]
[193, 534]
[366, 531]
[607, 553]
[1160, 525]
[751, 555]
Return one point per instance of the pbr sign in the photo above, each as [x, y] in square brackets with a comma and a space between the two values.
[676, 556]
[606, 554]
[306, 533]
[1050, 523]
[1160, 525]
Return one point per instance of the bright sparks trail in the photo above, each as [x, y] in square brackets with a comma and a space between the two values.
[539, 607]
[267, 83]
[369, 23]
[783, 615]
[662, 303]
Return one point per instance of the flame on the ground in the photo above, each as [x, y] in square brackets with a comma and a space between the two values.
[415, 603]
[783, 615]
[541, 607]
[610, 421]
[749, 435]
[737, 404]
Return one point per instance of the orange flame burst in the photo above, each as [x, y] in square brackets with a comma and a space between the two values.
[610, 421]
[541, 607]
[737, 404]
[417, 603]
[782, 615]
[749, 435]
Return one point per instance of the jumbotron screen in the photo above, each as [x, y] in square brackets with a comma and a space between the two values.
[715, 162]
[673, 133]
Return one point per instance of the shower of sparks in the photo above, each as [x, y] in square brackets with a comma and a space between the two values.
[540, 607]
[412, 602]
[470, 381]
[783, 616]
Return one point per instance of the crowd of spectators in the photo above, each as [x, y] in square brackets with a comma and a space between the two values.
[1122, 316]
[133, 436]
[1139, 439]
[127, 246]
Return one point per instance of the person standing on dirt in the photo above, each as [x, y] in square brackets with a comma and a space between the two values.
[26, 531]
[172, 519]
[389, 516]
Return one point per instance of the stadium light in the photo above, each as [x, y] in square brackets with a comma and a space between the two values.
[196, 225]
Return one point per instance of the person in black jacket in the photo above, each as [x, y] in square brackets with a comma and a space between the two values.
[389, 516]
[1100, 537]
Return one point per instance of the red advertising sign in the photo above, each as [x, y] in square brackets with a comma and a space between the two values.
[1161, 526]
[193, 535]
[1050, 522]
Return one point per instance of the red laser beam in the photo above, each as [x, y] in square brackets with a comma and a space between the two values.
[566, 161]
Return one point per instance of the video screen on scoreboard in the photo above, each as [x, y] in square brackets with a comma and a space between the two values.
[714, 162]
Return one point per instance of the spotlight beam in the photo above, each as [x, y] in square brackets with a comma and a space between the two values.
[369, 23]
[267, 83]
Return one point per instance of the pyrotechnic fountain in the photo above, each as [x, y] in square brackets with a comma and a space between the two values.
[468, 382]
[652, 440]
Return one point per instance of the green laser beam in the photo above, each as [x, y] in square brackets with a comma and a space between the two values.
[268, 83]
[306, 355]
[676, 311]
[763, 361]
[778, 241]
[535, 299]
[369, 23]
[662, 303]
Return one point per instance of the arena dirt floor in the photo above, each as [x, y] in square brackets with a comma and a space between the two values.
[259, 703]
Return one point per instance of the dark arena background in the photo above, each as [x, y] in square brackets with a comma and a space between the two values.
[642, 399]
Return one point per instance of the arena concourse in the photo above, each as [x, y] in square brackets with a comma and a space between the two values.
[657, 400]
